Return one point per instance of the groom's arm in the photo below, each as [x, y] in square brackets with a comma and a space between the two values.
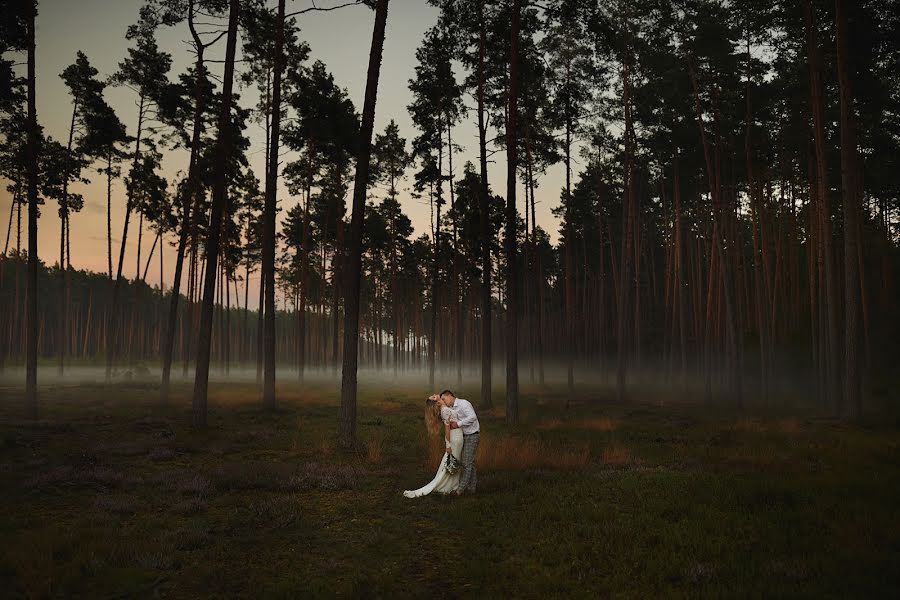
[467, 417]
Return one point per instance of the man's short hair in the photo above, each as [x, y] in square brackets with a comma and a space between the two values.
[448, 392]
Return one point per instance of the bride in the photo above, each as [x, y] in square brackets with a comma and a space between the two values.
[445, 481]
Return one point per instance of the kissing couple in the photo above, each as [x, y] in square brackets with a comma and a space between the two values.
[456, 474]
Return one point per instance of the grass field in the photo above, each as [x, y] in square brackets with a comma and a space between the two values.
[109, 495]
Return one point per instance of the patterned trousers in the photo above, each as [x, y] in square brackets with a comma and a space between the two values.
[468, 477]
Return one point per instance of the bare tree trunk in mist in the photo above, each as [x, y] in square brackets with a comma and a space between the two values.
[187, 216]
[680, 296]
[268, 251]
[569, 307]
[259, 326]
[63, 230]
[756, 225]
[223, 146]
[512, 317]
[457, 291]
[304, 276]
[112, 329]
[31, 166]
[852, 399]
[833, 352]
[484, 224]
[718, 249]
[435, 276]
[336, 269]
[347, 429]
[628, 217]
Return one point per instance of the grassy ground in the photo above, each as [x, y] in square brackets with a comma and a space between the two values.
[109, 495]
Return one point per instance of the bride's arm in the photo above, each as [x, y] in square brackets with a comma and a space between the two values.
[447, 435]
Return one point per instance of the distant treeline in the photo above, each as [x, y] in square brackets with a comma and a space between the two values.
[729, 213]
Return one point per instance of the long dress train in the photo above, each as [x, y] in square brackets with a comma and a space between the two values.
[443, 482]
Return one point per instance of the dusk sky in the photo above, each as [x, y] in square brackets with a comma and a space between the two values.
[341, 39]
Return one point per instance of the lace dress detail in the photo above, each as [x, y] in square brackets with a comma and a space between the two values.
[449, 415]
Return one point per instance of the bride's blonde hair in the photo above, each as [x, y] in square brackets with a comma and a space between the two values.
[433, 421]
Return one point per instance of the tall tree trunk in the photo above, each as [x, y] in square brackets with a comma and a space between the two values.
[756, 224]
[31, 166]
[832, 308]
[112, 328]
[187, 216]
[484, 224]
[269, 219]
[628, 216]
[435, 276]
[223, 147]
[852, 209]
[718, 249]
[347, 429]
[109, 210]
[63, 229]
[512, 317]
[569, 306]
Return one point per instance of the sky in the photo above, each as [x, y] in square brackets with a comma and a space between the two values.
[340, 38]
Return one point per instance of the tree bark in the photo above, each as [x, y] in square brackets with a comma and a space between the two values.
[852, 209]
[187, 215]
[484, 225]
[223, 146]
[347, 428]
[31, 166]
[512, 320]
[112, 327]
[832, 308]
[269, 242]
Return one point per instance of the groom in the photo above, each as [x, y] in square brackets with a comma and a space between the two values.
[468, 423]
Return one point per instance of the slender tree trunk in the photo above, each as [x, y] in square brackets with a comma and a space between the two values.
[832, 309]
[713, 171]
[63, 229]
[223, 147]
[269, 241]
[484, 223]
[150, 256]
[112, 328]
[628, 216]
[31, 166]
[187, 215]
[512, 317]
[852, 208]
[347, 429]
[756, 224]
[109, 178]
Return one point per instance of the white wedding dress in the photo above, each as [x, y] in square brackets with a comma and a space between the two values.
[444, 482]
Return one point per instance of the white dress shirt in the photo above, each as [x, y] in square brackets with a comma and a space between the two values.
[468, 421]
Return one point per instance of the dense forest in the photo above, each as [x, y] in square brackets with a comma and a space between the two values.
[728, 225]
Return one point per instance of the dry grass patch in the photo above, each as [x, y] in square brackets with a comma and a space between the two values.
[602, 424]
[374, 453]
[519, 454]
[618, 456]
[763, 457]
[325, 446]
[785, 426]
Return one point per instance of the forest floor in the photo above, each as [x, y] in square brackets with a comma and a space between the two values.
[110, 495]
